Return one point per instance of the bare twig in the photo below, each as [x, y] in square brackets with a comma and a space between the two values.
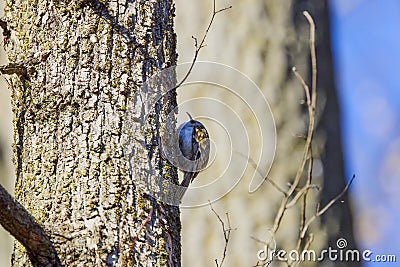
[326, 207]
[311, 110]
[304, 203]
[227, 234]
[297, 192]
[305, 86]
[21, 225]
[309, 241]
[300, 193]
[22, 68]
[307, 245]
[14, 68]
[313, 57]
[266, 178]
[199, 46]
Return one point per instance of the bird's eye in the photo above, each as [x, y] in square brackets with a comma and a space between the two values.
[200, 134]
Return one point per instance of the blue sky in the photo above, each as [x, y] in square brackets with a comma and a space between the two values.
[366, 49]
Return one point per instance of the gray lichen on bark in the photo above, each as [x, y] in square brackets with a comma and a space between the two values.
[70, 109]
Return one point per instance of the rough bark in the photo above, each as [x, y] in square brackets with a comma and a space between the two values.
[84, 61]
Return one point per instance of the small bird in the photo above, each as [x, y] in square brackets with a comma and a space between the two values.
[194, 143]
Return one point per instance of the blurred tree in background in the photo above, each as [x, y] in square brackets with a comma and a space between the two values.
[265, 39]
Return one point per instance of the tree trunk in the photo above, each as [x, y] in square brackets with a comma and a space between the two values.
[82, 63]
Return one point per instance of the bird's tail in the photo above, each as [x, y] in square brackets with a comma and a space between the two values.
[187, 179]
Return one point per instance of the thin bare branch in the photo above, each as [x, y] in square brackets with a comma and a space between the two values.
[22, 68]
[304, 84]
[14, 68]
[304, 204]
[21, 225]
[309, 241]
[326, 207]
[266, 178]
[313, 57]
[311, 111]
[295, 191]
[200, 45]
[227, 234]
[300, 193]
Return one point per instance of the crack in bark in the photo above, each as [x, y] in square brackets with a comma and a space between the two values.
[101, 9]
[6, 31]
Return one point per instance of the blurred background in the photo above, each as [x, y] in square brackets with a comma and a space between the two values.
[366, 56]
[358, 124]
